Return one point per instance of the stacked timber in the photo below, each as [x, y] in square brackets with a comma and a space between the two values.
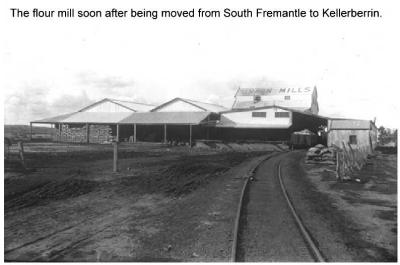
[97, 134]
[100, 134]
[73, 134]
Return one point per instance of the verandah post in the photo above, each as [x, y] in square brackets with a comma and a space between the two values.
[115, 158]
[190, 136]
[30, 136]
[165, 133]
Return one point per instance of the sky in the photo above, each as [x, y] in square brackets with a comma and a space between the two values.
[57, 66]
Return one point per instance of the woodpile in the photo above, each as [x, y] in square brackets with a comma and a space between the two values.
[321, 154]
[101, 134]
[348, 159]
[97, 134]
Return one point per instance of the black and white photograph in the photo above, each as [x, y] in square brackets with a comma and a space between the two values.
[199, 131]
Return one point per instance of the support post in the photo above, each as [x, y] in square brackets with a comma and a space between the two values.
[337, 166]
[87, 133]
[134, 133]
[21, 153]
[115, 160]
[117, 133]
[165, 133]
[190, 136]
[59, 132]
[30, 136]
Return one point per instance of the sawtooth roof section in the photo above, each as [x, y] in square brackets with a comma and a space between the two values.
[134, 105]
[201, 105]
[349, 124]
[97, 117]
[208, 106]
[193, 118]
[55, 119]
[130, 105]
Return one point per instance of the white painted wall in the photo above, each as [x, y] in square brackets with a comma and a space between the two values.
[336, 137]
[305, 98]
[245, 119]
[179, 106]
[107, 107]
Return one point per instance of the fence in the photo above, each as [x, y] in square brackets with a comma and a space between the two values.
[349, 160]
[14, 155]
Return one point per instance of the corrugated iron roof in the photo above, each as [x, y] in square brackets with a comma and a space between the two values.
[228, 123]
[55, 119]
[166, 118]
[349, 124]
[134, 105]
[130, 105]
[208, 106]
[96, 117]
[201, 105]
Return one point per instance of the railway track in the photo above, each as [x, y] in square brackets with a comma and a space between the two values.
[267, 227]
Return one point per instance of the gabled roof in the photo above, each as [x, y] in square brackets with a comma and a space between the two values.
[349, 124]
[97, 117]
[130, 105]
[87, 117]
[134, 105]
[201, 105]
[208, 106]
[55, 119]
[166, 118]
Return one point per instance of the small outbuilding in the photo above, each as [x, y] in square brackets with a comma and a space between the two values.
[356, 133]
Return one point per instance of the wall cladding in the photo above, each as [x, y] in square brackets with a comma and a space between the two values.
[78, 133]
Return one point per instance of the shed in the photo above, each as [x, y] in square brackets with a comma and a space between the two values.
[357, 133]
[167, 126]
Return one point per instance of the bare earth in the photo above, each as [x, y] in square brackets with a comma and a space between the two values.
[352, 221]
[164, 205]
[176, 204]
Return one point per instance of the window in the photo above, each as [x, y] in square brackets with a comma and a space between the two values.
[259, 114]
[256, 98]
[281, 114]
[353, 139]
[287, 97]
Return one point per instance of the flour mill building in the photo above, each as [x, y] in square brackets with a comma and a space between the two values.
[257, 114]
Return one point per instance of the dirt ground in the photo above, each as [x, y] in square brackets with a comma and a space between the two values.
[70, 206]
[179, 204]
[352, 221]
